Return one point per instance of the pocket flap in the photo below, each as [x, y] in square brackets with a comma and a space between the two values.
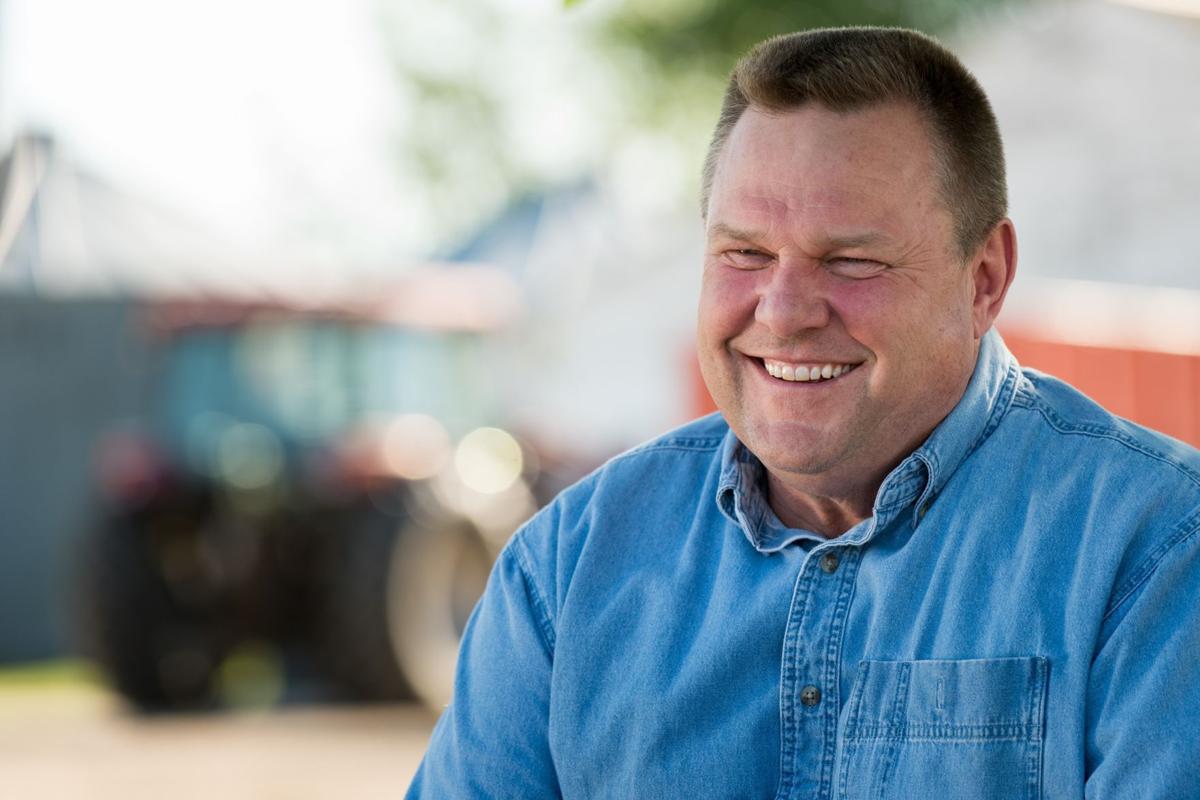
[987, 699]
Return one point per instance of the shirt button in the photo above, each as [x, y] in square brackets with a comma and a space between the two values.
[829, 563]
[810, 695]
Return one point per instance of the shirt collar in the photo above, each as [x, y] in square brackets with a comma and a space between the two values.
[915, 482]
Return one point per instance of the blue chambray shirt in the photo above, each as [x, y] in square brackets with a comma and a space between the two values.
[1018, 619]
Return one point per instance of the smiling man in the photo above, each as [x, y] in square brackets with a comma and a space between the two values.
[896, 565]
[832, 248]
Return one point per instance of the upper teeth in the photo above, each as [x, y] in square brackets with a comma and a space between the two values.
[806, 372]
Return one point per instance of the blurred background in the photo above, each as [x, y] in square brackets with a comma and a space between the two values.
[304, 307]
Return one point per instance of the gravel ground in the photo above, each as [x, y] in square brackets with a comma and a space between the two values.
[79, 743]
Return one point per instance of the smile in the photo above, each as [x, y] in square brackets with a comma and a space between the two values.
[806, 372]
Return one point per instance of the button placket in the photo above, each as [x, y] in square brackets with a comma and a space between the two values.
[810, 674]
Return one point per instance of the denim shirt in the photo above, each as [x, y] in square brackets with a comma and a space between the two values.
[1017, 619]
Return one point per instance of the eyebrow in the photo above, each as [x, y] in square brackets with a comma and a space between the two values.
[863, 239]
[857, 240]
[721, 229]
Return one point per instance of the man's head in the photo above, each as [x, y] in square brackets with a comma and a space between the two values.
[846, 69]
[832, 246]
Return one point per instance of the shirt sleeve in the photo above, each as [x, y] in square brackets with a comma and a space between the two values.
[492, 740]
[1142, 723]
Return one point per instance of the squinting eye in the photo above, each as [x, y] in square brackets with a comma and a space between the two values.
[747, 259]
[856, 267]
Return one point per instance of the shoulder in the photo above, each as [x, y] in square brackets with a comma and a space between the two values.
[613, 511]
[1062, 415]
[655, 466]
[677, 461]
[705, 434]
[1131, 494]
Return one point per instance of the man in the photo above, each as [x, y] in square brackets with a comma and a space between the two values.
[895, 565]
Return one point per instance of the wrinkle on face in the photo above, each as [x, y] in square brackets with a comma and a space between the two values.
[810, 191]
[807, 189]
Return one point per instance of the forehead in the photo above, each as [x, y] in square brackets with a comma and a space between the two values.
[872, 167]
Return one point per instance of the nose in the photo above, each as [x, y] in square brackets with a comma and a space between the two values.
[792, 299]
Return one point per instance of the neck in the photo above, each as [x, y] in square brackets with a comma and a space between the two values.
[828, 511]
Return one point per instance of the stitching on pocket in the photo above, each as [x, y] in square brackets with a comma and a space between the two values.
[1037, 717]
[940, 703]
[994, 699]
[899, 710]
[849, 739]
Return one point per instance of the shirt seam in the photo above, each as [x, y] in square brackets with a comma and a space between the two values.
[1096, 431]
[541, 608]
[1184, 530]
[698, 444]
[845, 598]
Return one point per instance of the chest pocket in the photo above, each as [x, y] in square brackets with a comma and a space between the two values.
[952, 730]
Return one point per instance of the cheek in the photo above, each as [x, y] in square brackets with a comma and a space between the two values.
[900, 318]
[727, 302]
[924, 344]
[867, 311]
[914, 341]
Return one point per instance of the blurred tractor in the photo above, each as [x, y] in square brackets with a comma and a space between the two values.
[326, 479]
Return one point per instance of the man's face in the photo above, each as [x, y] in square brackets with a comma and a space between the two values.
[830, 253]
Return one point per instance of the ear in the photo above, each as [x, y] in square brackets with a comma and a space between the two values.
[993, 270]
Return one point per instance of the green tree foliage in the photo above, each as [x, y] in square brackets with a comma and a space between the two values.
[685, 42]
[641, 67]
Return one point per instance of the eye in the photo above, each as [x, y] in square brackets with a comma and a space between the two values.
[856, 268]
[745, 258]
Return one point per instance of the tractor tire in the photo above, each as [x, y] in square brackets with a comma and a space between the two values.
[156, 654]
[397, 599]
[353, 644]
[438, 575]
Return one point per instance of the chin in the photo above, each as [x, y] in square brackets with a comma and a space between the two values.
[787, 464]
[790, 447]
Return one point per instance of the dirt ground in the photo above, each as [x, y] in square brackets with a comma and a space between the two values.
[79, 743]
